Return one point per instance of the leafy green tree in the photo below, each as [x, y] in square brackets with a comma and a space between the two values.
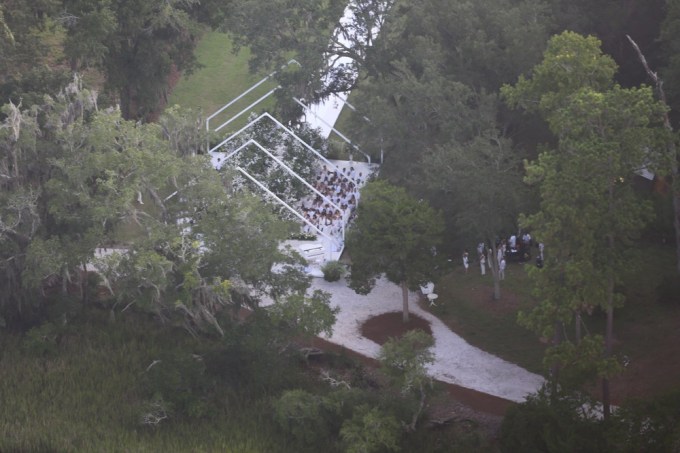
[669, 95]
[275, 30]
[73, 178]
[394, 234]
[646, 425]
[304, 415]
[482, 181]
[21, 43]
[544, 424]
[404, 360]
[476, 43]
[7, 35]
[135, 44]
[27, 64]
[369, 430]
[305, 316]
[37, 242]
[200, 248]
[589, 211]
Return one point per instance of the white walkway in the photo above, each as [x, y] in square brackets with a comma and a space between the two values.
[456, 361]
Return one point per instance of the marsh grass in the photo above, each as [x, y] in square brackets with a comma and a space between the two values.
[88, 395]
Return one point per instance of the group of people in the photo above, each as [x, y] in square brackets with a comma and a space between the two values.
[481, 258]
[333, 209]
[513, 246]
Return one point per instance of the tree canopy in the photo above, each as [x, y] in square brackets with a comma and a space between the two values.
[589, 210]
[394, 234]
[76, 178]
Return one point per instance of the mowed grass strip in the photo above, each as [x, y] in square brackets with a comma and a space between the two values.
[222, 77]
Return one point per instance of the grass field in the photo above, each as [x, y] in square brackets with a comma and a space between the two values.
[85, 392]
[222, 77]
[465, 304]
[86, 384]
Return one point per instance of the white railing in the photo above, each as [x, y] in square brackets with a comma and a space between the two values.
[339, 134]
[294, 173]
[241, 96]
[266, 115]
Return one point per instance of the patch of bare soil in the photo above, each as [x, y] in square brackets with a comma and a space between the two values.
[654, 371]
[390, 325]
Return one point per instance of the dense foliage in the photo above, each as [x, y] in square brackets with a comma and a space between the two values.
[394, 234]
[76, 179]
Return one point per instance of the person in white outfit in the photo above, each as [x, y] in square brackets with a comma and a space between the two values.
[501, 270]
[466, 261]
[482, 263]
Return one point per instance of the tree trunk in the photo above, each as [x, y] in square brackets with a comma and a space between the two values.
[555, 368]
[404, 295]
[608, 339]
[577, 320]
[129, 108]
[83, 284]
[676, 211]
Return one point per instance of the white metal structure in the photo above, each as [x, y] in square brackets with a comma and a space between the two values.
[323, 118]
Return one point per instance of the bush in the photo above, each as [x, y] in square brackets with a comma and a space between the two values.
[333, 271]
[558, 425]
[177, 383]
[647, 426]
[42, 341]
[371, 429]
[303, 415]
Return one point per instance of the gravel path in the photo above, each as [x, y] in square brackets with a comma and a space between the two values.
[456, 361]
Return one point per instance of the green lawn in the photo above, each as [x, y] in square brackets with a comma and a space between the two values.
[645, 330]
[222, 77]
[465, 304]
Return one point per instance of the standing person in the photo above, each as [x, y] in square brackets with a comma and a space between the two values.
[480, 250]
[501, 269]
[540, 249]
[466, 261]
[482, 264]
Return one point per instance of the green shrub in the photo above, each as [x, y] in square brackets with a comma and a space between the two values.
[302, 415]
[333, 271]
[371, 429]
[180, 383]
[42, 341]
[558, 425]
[647, 426]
